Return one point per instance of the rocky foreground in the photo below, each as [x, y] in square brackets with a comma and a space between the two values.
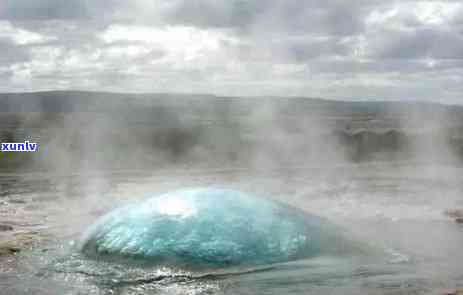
[455, 214]
[456, 292]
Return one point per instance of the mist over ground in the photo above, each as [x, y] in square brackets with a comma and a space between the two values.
[82, 131]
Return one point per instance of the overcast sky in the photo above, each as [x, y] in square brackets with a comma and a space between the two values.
[353, 49]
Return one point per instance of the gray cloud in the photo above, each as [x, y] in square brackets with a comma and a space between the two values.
[11, 53]
[43, 9]
[318, 17]
[210, 13]
[420, 43]
[328, 48]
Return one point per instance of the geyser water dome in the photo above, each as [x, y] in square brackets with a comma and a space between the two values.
[211, 228]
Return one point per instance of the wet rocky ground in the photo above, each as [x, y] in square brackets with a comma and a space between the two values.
[41, 213]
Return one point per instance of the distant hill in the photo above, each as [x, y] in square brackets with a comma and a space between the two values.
[117, 130]
[81, 101]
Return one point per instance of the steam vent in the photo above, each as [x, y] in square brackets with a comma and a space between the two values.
[209, 228]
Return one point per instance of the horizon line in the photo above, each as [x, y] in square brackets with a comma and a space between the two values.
[341, 100]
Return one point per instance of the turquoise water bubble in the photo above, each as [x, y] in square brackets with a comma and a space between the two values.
[208, 227]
